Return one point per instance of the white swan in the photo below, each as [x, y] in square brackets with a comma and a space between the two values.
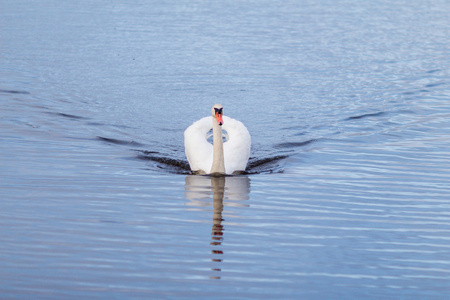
[222, 157]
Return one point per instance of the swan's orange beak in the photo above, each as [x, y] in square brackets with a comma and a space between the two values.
[219, 118]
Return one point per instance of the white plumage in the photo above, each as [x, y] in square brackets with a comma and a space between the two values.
[200, 153]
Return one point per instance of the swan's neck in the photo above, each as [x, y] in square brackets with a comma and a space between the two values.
[218, 166]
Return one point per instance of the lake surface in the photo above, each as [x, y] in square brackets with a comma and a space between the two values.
[347, 193]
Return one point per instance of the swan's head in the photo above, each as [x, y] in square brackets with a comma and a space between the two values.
[217, 113]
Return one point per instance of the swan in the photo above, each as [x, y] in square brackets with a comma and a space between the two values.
[221, 157]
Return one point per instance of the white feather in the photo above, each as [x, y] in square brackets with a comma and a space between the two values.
[199, 151]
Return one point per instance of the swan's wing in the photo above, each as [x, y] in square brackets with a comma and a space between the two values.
[237, 149]
[199, 151]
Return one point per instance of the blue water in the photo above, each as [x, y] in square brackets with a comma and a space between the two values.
[347, 194]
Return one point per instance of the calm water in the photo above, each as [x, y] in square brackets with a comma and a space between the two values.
[348, 190]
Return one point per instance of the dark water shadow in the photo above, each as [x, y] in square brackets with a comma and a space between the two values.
[119, 142]
[377, 114]
[14, 92]
[68, 116]
[435, 84]
[272, 164]
[295, 144]
[200, 190]
[164, 163]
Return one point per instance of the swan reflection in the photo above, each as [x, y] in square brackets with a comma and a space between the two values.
[233, 189]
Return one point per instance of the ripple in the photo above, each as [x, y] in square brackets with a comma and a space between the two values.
[119, 142]
[14, 92]
[68, 116]
[296, 144]
[163, 163]
[381, 113]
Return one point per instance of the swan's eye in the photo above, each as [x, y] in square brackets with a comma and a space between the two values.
[219, 110]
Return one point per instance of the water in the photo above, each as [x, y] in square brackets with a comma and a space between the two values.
[347, 191]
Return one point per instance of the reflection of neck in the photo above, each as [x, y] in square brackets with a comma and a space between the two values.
[218, 185]
[218, 166]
